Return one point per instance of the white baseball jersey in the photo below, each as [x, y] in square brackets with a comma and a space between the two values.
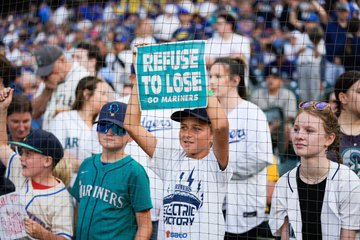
[52, 208]
[340, 208]
[249, 142]
[64, 95]
[157, 122]
[194, 192]
[75, 136]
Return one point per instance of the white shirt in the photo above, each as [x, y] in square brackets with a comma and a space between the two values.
[64, 94]
[219, 47]
[75, 136]
[249, 142]
[52, 208]
[194, 191]
[164, 26]
[340, 209]
[120, 73]
[60, 15]
[157, 122]
[308, 56]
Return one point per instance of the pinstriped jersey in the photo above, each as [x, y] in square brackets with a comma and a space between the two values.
[52, 208]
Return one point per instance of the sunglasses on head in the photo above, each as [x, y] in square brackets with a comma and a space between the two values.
[315, 105]
[103, 127]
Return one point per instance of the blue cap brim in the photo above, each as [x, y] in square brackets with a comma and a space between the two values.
[120, 124]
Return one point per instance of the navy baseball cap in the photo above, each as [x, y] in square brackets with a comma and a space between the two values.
[45, 57]
[113, 112]
[199, 113]
[42, 142]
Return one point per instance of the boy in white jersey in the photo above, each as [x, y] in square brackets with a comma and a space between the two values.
[45, 197]
[195, 176]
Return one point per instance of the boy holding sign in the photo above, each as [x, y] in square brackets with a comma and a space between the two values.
[46, 199]
[195, 176]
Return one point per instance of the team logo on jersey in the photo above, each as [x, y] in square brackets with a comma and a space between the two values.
[187, 198]
[153, 125]
[113, 109]
[237, 135]
[351, 157]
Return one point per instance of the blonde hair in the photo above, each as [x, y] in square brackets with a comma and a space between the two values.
[63, 171]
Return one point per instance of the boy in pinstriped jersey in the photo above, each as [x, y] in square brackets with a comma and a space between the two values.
[46, 199]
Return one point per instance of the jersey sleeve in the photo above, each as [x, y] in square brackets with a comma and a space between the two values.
[349, 207]
[279, 206]
[140, 189]
[160, 163]
[14, 171]
[63, 219]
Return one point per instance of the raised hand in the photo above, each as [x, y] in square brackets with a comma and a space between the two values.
[6, 96]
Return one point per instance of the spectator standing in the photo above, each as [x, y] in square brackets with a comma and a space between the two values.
[335, 39]
[61, 77]
[207, 170]
[166, 24]
[123, 211]
[275, 95]
[119, 61]
[226, 43]
[250, 152]
[51, 215]
[347, 93]
[311, 49]
[316, 199]
[186, 30]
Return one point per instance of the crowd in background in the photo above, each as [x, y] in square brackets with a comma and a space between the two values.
[289, 51]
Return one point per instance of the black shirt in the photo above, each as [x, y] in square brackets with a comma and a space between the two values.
[311, 197]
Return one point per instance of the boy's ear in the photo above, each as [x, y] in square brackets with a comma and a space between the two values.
[48, 161]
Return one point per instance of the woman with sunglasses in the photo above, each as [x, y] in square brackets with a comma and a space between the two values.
[347, 93]
[74, 128]
[112, 189]
[315, 198]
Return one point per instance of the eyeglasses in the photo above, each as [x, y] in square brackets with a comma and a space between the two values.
[103, 127]
[321, 106]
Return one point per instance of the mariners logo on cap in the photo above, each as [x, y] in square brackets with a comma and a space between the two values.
[113, 109]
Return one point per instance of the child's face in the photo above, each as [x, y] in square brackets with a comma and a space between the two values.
[309, 137]
[32, 163]
[195, 137]
[111, 142]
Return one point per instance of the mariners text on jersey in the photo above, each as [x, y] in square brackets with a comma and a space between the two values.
[100, 193]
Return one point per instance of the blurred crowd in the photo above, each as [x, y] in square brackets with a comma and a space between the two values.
[306, 43]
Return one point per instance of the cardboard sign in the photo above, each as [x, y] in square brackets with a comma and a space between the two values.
[172, 75]
[12, 214]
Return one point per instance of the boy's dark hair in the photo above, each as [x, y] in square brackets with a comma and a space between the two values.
[19, 104]
[93, 52]
[235, 67]
[6, 70]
